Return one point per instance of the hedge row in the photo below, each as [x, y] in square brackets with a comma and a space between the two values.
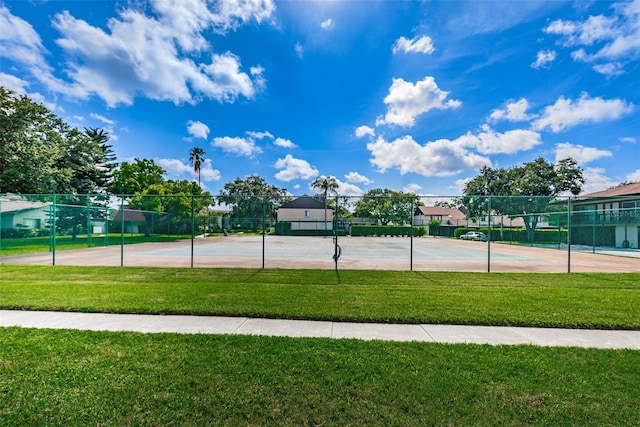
[284, 229]
[517, 234]
[21, 233]
[386, 230]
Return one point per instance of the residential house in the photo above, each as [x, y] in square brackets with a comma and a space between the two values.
[133, 219]
[306, 213]
[608, 218]
[16, 212]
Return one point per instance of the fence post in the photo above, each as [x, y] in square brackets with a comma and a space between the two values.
[489, 235]
[122, 231]
[88, 223]
[569, 235]
[411, 236]
[193, 226]
[53, 242]
[593, 230]
[264, 226]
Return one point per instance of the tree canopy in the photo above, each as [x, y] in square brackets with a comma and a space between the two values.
[387, 206]
[41, 154]
[250, 196]
[528, 189]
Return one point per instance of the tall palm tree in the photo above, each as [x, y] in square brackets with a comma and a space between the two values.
[196, 156]
[326, 185]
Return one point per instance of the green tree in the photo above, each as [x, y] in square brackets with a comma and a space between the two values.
[249, 198]
[41, 154]
[134, 178]
[196, 156]
[178, 200]
[527, 189]
[325, 185]
[387, 206]
[107, 162]
[434, 227]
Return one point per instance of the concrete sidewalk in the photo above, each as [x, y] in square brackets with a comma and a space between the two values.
[494, 335]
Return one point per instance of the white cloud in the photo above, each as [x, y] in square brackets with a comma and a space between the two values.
[365, 130]
[627, 139]
[513, 111]
[579, 153]
[197, 129]
[174, 166]
[299, 50]
[596, 180]
[634, 176]
[237, 145]
[610, 39]
[491, 142]
[460, 184]
[609, 69]
[259, 135]
[103, 119]
[566, 113]
[327, 24]
[178, 168]
[438, 158]
[19, 42]
[207, 172]
[13, 83]
[292, 168]
[356, 177]
[344, 188]
[284, 143]
[544, 59]
[159, 56]
[418, 44]
[407, 100]
[412, 188]
[347, 189]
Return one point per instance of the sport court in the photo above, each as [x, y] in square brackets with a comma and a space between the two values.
[383, 253]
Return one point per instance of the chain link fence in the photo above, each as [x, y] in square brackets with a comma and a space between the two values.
[472, 233]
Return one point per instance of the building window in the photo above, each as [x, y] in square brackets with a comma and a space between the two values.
[307, 214]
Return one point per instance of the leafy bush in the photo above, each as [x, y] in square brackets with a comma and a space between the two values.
[516, 234]
[284, 229]
[386, 230]
[22, 233]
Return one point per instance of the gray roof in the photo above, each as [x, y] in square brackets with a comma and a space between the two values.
[304, 202]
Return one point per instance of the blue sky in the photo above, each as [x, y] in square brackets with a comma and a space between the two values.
[412, 96]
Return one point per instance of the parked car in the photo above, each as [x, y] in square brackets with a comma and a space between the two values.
[474, 235]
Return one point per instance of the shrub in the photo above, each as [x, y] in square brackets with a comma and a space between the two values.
[386, 230]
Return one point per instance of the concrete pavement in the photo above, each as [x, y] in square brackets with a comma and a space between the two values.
[494, 335]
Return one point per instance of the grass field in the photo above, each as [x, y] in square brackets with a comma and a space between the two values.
[523, 299]
[61, 377]
[28, 245]
[99, 378]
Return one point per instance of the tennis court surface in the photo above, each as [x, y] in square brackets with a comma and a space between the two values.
[384, 253]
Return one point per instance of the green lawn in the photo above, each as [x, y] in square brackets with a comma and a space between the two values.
[525, 299]
[64, 377]
[27, 245]
[53, 377]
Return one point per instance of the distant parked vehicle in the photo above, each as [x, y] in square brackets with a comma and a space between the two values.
[474, 235]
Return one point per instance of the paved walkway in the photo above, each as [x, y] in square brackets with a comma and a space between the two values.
[495, 335]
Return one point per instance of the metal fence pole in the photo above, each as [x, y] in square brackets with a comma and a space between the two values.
[569, 235]
[193, 226]
[53, 242]
[489, 236]
[122, 231]
[411, 236]
[264, 226]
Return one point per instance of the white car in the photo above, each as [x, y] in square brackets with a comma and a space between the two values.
[474, 235]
